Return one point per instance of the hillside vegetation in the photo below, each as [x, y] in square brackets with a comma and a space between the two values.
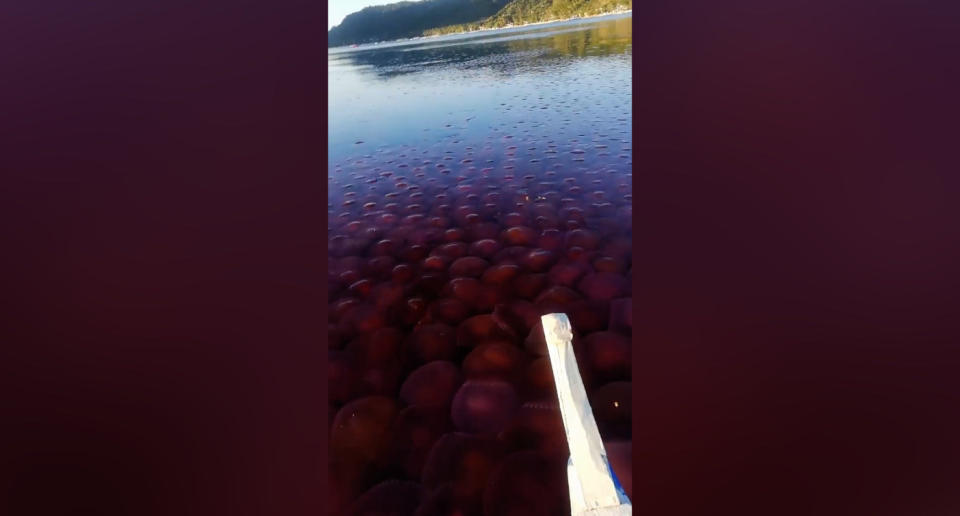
[519, 12]
[434, 17]
[408, 19]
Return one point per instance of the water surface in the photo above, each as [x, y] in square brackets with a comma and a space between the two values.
[476, 182]
[561, 81]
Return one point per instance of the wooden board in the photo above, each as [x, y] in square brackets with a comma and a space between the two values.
[593, 490]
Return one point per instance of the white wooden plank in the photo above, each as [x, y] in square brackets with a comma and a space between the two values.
[592, 489]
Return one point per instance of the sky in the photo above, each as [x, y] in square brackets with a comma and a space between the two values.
[337, 10]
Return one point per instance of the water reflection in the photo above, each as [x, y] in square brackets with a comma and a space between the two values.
[600, 40]
[500, 54]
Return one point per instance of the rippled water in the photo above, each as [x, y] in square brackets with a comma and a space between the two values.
[552, 82]
[475, 182]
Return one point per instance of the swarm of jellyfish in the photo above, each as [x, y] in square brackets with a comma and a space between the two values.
[442, 400]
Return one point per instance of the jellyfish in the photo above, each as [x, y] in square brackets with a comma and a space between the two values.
[432, 385]
[484, 407]
[528, 484]
[604, 285]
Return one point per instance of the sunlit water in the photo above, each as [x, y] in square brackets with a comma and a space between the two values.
[476, 181]
[553, 97]
[446, 132]
[558, 82]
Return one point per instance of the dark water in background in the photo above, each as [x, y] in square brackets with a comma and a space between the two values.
[475, 182]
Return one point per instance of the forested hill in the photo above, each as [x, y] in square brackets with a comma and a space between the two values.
[432, 17]
[519, 12]
[408, 19]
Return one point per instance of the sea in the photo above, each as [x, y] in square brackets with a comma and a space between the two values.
[475, 182]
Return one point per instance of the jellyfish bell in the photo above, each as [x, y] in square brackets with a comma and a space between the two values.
[380, 266]
[387, 295]
[608, 355]
[435, 263]
[483, 328]
[604, 286]
[470, 266]
[449, 310]
[603, 209]
[514, 219]
[588, 315]
[461, 463]
[520, 482]
[518, 314]
[519, 236]
[432, 385]
[512, 255]
[384, 247]
[402, 273]
[453, 250]
[386, 220]
[566, 274]
[364, 318]
[609, 264]
[500, 274]
[383, 346]
[462, 211]
[440, 502]
[429, 342]
[483, 231]
[571, 212]
[415, 430]
[490, 296]
[360, 429]
[361, 288]
[371, 233]
[484, 248]
[539, 260]
[538, 426]
[463, 288]
[341, 306]
[528, 286]
[380, 379]
[495, 361]
[429, 236]
[349, 277]
[412, 311]
[393, 497]
[484, 407]
[538, 380]
[556, 298]
[583, 238]
[550, 240]
[454, 235]
[576, 254]
[413, 253]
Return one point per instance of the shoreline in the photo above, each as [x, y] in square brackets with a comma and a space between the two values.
[421, 38]
[628, 11]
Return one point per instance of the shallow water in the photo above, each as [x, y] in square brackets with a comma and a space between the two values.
[476, 181]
